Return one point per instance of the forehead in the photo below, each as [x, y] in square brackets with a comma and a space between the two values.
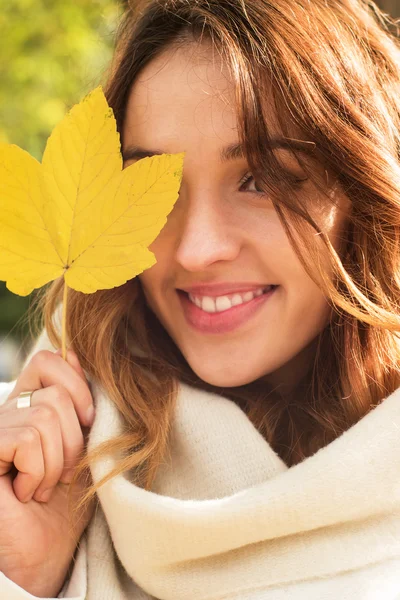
[179, 90]
[186, 91]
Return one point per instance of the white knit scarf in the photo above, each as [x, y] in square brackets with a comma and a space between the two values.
[227, 519]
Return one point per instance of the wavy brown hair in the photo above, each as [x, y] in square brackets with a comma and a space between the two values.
[332, 69]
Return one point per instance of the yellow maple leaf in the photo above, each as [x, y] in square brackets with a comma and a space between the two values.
[79, 214]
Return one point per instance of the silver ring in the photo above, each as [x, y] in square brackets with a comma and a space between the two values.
[24, 399]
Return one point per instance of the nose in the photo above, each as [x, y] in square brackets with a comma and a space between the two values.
[207, 233]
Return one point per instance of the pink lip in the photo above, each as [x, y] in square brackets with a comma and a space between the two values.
[221, 289]
[225, 321]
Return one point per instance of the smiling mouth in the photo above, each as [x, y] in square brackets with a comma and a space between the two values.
[219, 314]
[218, 304]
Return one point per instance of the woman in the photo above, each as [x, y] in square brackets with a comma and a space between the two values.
[247, 413]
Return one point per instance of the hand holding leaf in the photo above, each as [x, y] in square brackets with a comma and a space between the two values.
[79, 214]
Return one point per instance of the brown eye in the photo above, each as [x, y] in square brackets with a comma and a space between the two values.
[296, 182]
[246, 180]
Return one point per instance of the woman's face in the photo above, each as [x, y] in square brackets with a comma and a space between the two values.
[223, 242]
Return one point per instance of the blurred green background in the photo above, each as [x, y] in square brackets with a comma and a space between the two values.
[52, 52]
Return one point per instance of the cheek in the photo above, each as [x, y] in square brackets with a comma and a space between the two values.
[304, 306]
[150, 281]
[146, 282]
[156, 282]
[308, 305]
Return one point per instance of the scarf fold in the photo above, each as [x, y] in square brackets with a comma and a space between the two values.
[226, 517]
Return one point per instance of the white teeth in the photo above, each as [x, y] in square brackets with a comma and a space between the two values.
[223, 303]
[248, 296]
[220, 303]
[237, 299]
[208, 304]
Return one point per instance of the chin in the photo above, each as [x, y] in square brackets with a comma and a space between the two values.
[224, 377]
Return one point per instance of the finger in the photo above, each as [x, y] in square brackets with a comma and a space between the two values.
[43, 419]
[59, 400]
[72, 435]
[47, 368]
[22, 447]
[72, 359]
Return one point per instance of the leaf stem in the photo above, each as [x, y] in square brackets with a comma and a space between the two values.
[64, 320]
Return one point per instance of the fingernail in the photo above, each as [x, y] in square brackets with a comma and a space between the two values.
[90, 415]
[45, 496]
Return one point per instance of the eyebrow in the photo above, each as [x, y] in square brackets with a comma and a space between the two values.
[231, 152]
